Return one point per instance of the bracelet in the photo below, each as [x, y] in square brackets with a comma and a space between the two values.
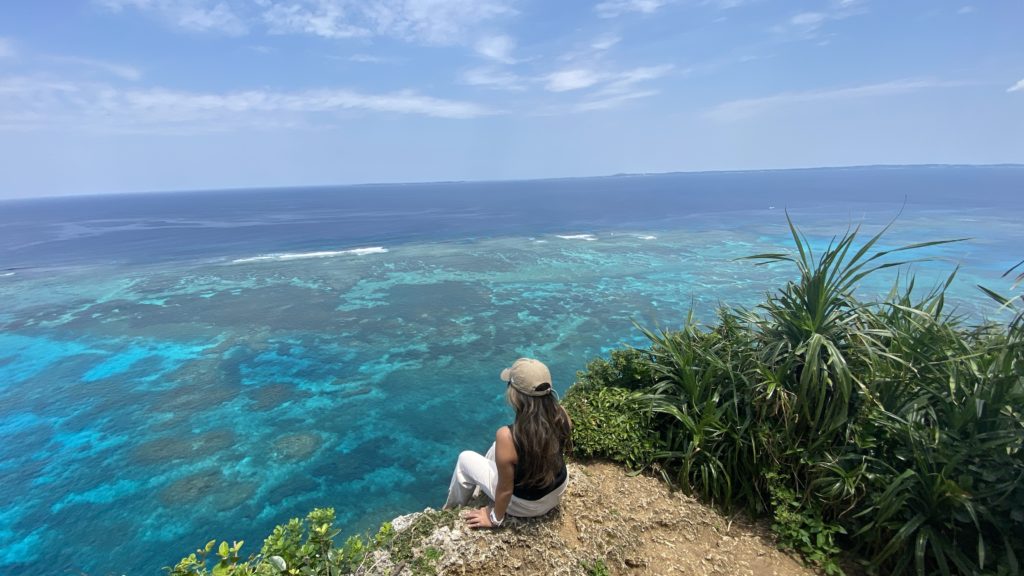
[494, 519]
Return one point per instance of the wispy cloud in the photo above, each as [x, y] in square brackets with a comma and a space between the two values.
[605, 42]
[432, 21]
[572, 79]
[808, 21]
[623, 87]
[439, 22]
[191, 15]
[35, 102]
[324, 19]
[609, 82]
[372, 59]
[745, 108]
[186, 104]
[616, 8]
[1018, 87]
[489, 77]
[611, 101]
[122, 71]
[591, 50]
[968, 9]
[6, 47]
[807, 25]
[498, 48]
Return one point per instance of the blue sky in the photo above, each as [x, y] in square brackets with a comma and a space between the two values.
[135, 95]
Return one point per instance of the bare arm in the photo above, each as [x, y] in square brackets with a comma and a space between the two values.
[505, 458]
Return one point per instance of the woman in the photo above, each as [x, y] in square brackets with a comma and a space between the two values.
[523, 473]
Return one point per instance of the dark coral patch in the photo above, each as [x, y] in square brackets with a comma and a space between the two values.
[179, 447]
[296, 447]
[271, 396]
[191, 489]
[166, 449]
[233, 495]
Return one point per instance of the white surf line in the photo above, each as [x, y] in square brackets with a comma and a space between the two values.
[304, 255]
[587, 237]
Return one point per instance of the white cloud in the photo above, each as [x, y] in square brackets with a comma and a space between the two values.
[324, 19]
[191, 15]
[6, 47]
[615, 8]
[591, 50]
[498, 48]
[605, 88]
[120, 70]
[605, 42]
[439, 22]
[186, 104]
[808, 19]
[572, 79]
[745, 108]
[966, 9]
[118, 5]
[611, 101]
[495, 79]
[613, 82]
[1018, 87]
[371, 59]
[39, 102]
[622, 87]
[642, 74]
[430, 22]
[807, 25]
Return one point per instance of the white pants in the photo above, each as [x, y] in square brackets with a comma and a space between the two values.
[475, 471]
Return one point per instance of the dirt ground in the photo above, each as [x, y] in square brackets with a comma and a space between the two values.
[630, 525]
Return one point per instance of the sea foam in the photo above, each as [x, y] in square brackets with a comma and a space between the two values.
[304, 255]
[587, 237]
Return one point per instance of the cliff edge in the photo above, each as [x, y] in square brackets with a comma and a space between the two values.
[608, 523]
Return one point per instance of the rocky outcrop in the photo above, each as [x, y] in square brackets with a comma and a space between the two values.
[609, 522]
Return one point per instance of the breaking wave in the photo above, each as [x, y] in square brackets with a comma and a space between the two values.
[304, 255]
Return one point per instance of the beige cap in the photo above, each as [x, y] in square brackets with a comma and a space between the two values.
[529, 376]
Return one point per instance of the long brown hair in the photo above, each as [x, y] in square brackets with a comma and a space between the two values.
[541, 431]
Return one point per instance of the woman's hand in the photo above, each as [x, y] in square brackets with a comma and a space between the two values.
[478, 518]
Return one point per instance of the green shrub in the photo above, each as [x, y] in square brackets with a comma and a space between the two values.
[306, 548]
[611, 423]
[801, 528]
[626, 368]
[595, 568]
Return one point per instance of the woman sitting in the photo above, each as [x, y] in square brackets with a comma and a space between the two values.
[523, 473]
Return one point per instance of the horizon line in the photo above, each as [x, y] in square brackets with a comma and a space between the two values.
[240, 189]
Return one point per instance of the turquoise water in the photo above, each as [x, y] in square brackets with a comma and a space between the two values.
[149, 407]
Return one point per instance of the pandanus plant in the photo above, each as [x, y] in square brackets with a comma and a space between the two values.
[815, 330]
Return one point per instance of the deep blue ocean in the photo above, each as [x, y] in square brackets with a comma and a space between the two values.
[178, 367]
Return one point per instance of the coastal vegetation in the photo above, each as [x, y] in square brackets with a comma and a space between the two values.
[892, 429]
[889, 431]
[307, 547]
